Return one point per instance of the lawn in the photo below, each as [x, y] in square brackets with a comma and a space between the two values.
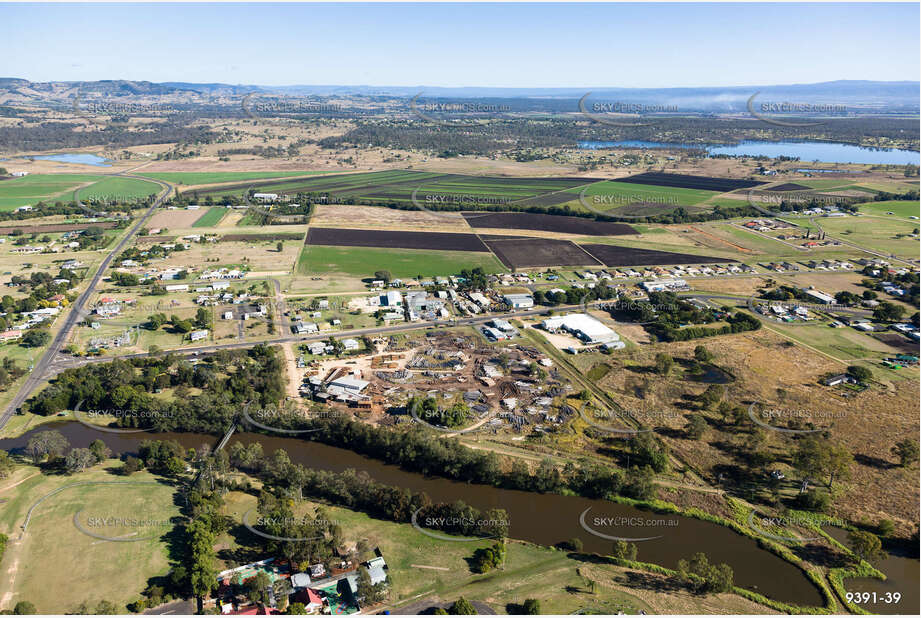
[211, 217]
[204, 178]
[56, 566]
[901, 208]
[888, 236]
[362, 262]
[34, 188]
[122, 189]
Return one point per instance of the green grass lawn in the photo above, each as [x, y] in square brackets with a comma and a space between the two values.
[211, 217]
[901, 208]
[34, 188]
[887, 236]
[123, 189]
[204, 178]
[362, 261]
[56, 566]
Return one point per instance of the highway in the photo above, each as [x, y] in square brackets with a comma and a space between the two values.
[40, 371]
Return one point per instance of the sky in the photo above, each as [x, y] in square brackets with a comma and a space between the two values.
[489, 45]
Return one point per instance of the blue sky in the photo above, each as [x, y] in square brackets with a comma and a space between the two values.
[510, 45]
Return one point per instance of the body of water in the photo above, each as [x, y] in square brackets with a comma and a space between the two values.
[826, 152]
[81, 158]
[544, 519]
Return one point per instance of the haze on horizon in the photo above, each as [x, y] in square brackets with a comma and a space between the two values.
[457, 45]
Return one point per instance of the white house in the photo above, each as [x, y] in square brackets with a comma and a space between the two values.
[198, 335]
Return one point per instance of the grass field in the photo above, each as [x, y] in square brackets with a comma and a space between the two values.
[362, 262]
[902, 209]
[56, 566]
[204, 178]
[123, 189]
[211, 218]
[622, 193]
[889, 236]
[29, 190]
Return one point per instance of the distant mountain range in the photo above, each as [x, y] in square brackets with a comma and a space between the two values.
[856, 96]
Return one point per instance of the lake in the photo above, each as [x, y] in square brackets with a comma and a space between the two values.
[826, 152]
[80, 158]
[544, 519]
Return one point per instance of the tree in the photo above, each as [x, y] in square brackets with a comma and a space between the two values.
[36, 338]
[530, 607]
[906, 450]
[7, 465]
[383, 275]
[202, 574]
[695, 426]
[859, 373]
[462, 607]
[279, 246]
[368, 593]
[664, 363]
[132, 465]
[486, 559]
[79, 459]
[815, 457]
[702, 354]
[257, 588]
[46, 444]
[100, 451]
[866, 545]
[24, 608]
[703, 576]
[888, 312]
[296, 609]
[625, 550]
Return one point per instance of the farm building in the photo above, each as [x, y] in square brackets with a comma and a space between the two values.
[583, 326]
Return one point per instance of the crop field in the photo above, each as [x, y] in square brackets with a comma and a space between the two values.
[685, 181]
[538, 252]
[34, 188]
[890, 236]
[205, 178]
[262, 237]
[83, 568]
[348, 215]
[612, 255]
[398, 187]
[446, 241]
[123, 189]
[611, 195]
[546, 223]
[174, 219]
[900, 208]
[60, 227]
[363, 261]
[212, 217]
[788, 186]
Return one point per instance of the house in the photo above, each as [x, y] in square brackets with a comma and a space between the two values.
[220, 285]
[228, 315]
[302, 328]
[350, 344]
[519, 301]
[822, 297]
[391, 299]
[10, 335]
[177, 287]
[841, 378]
[312, 601]
[198, 335]
[265, 197]
[664, 285]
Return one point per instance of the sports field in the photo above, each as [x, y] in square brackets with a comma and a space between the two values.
[30, 190]
[212, 217]
[363, 261]
[56, 566]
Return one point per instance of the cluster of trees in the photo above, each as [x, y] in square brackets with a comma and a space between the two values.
[10, 371]
[703, 577]
[228, 379]
[50, 446]
[428, 410]
[202, 319]
[485, 559]
[665, 312]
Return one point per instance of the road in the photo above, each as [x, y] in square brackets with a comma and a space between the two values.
[40, 371]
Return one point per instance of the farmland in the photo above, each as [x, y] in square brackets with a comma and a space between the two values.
[686, 181]
[362, 262]
[612, 255]
[34, 188]
[206, 178]
[538, 252]
[120, 189]
[610, 194]
[547, 223]
[211, 218]
[446, 241]
[902, 209]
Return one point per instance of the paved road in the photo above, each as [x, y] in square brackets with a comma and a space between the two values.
[40, 371]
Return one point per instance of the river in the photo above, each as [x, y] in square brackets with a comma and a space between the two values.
[544, 519]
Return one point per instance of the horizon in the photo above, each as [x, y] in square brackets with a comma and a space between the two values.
[544, 45]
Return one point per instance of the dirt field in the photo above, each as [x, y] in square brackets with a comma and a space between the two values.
[386, 218]
[340, 237]
[172, 219]
[612, 255]
[533, 253]
[549, 223]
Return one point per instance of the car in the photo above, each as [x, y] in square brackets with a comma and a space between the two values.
[778, 475]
